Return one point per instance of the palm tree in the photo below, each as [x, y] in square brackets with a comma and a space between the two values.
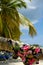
[10, 19]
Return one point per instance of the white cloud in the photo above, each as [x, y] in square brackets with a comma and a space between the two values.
[35, 21]
[23, 27]
[31, 7]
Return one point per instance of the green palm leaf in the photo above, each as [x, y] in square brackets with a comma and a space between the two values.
[17, 3]
[10, 29]
[10, 19]
[25, 21]
[1, 26]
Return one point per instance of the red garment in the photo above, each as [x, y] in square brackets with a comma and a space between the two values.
[29, 52]
[23, 59]
[26, 52]
[31, 61]
[37, 50]
[26, 47]
[20, 55]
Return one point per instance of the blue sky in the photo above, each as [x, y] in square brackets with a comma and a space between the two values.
[34, 12]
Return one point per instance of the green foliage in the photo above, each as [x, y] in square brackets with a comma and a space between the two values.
[10, 19]
[26, 22]
[16, 47]
[36, 45]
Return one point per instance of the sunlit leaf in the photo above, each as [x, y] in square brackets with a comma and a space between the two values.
[26, 22]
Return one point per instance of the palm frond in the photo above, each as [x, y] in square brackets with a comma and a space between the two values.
[10, 29]
[17, 3]
[25, 21]
[10, 19]
[1, 26]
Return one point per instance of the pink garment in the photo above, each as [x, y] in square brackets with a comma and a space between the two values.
[23, 59]
[26, 47]
[25, 53]
[31, 61]
[37, 50]
[20, 55]
[29, 52]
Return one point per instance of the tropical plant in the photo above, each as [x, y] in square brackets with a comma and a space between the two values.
[10, 19]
